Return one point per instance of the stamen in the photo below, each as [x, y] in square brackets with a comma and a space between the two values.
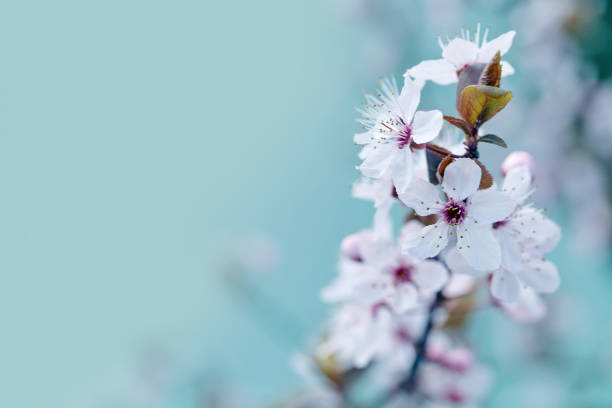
[402, 274]
[454, 212]
[403, 137]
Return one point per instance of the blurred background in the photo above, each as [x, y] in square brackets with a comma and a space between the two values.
[176, 182]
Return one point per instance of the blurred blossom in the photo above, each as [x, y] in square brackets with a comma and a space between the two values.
[516, 159]
[457, 388]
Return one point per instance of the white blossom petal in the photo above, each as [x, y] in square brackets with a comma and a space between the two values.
[422, 196]
[460, 52]
[547, 235]
[507, 69]
[378, 160]
[510, 249]
[461, 179]
[501, 44]
[458, 285]
[458, 264]
[405, 298]
[383, 227]
[505, 286]
[373, 291]
[540, 274]
[528, 308]
[363, 138]
[364, 354]
[439, 71]
[430, 276]
[426, 126]
[401, 169]
[366, 150]
[535, 231]
[409, 99]
[489, 206]
[411, 228]
[428, 242]
[517, 183]
[478, 246]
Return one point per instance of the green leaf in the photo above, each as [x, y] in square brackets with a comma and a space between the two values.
[493, 139]
[480, 103]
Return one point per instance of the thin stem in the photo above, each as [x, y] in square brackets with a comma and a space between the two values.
[440, 151]
[421, 346]
[409, 383]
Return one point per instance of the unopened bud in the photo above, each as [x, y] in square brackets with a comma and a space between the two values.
[516, 159]
[350, 247]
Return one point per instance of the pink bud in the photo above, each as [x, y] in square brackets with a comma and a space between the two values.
[459, 359]
[515, 159]
[455, 396]
[350, 247]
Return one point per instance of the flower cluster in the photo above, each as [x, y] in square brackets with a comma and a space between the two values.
[402, 298]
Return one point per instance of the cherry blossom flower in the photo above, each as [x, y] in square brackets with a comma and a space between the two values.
[457, 388]
[466, 215]
[393, 124]
[524, 236]
[358, 335]
[376, 273]
[460, 53]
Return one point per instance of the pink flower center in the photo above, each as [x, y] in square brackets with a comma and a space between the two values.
[455, 396]
[403, 137]
[454, 212]
[403, 335]
[402, 274]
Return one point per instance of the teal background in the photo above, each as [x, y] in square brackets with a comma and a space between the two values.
[138, 139]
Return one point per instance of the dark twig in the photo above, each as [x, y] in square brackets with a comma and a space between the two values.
[409, 382]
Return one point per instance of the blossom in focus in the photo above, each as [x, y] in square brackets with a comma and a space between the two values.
[466, 216]
[524, 236]
[460, 53]
[392, 125]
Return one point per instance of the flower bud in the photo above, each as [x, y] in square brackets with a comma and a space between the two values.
[459, 359]
[516, 159]
[350, 247]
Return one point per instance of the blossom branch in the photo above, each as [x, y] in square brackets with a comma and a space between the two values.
[409, 382]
